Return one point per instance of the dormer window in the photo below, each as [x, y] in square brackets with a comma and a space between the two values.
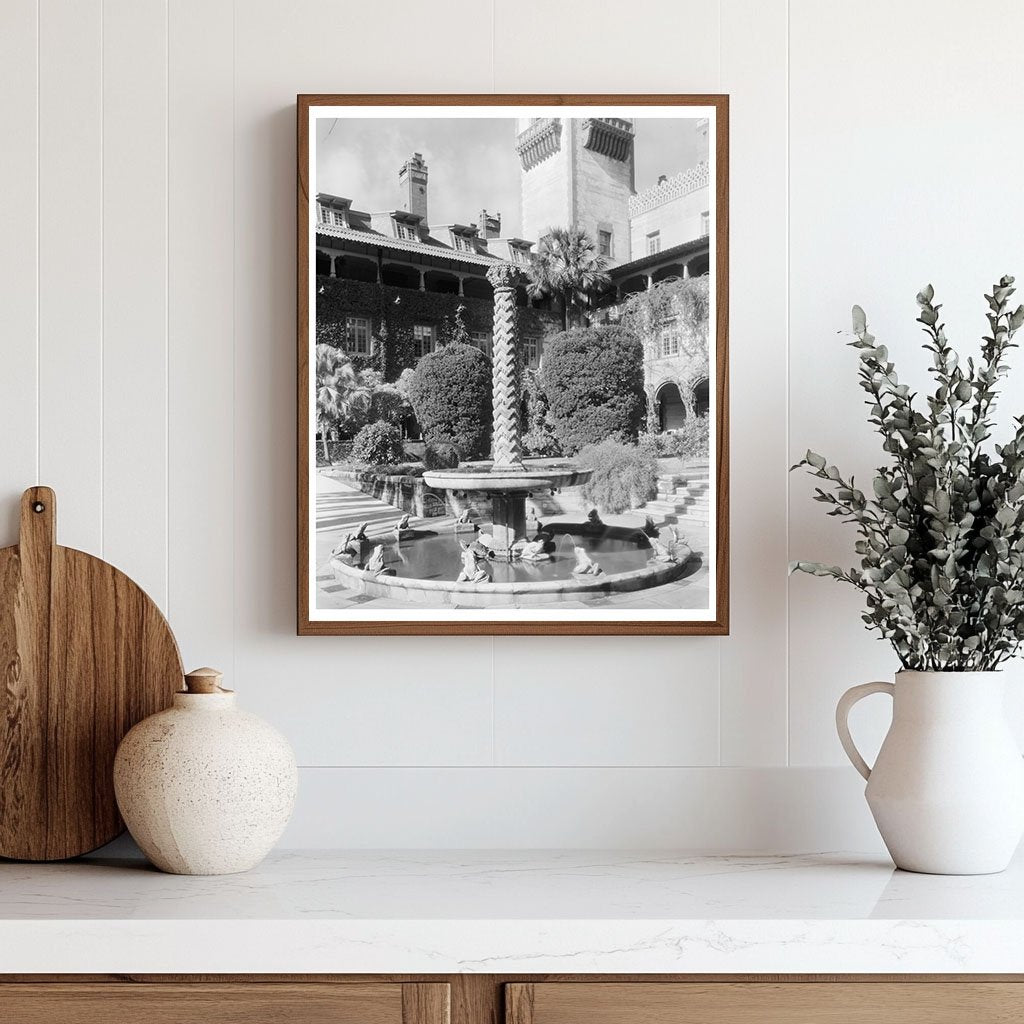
[518, 253]
[332, 211]
[464, 243]
[407, 232]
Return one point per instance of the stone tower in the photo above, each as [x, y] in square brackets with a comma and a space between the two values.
[578, 171]
[412, 179]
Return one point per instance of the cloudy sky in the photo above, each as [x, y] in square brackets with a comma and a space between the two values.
[472, 161]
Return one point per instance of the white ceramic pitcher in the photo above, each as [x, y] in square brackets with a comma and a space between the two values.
[947, 789]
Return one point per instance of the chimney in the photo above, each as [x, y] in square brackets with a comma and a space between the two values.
[412, 178]
[490, 224]
[662, 178]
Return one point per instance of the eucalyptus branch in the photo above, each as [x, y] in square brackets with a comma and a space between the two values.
[942, 535]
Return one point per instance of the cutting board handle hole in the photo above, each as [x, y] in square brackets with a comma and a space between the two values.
[38, 506]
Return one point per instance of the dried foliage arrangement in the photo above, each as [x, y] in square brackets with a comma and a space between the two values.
[941, 539]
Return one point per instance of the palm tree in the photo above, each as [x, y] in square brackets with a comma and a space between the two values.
[567, 264]
[339, 391]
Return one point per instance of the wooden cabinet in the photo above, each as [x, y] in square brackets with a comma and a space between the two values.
[496, 999]
[794, 1002]
[228, 1003]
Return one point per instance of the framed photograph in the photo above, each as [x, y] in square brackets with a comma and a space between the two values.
[512, 364]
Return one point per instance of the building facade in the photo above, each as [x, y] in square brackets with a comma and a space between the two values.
[392, 286]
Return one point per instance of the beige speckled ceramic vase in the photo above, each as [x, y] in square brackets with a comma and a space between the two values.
[204, 788]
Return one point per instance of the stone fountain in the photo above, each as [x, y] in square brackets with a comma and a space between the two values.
[506, 480]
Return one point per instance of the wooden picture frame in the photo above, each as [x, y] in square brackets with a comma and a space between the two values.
[604, 611]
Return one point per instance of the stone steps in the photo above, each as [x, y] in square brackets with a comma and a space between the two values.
[689, 523]
[681, 494]
[675, 513]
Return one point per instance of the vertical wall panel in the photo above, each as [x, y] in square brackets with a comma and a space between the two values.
[753, 666]
[578, 46]
[18, 68]
[200, 285]
[604, 701]
[70, 265]
[135, 290]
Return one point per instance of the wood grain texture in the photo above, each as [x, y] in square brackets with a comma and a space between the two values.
[426, 1004]
[85, 654]
[476, 999]
[206, 1004]
[306, 626]
[772, 1003]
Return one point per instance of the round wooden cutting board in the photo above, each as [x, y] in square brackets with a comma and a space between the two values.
[84, 655]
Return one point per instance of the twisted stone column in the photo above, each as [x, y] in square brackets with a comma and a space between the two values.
[506, 383]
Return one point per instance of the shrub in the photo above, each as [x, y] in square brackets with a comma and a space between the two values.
[689, 442]
[541, 444]
[655, 445]
[384, 401]
[451, 396]
[440, 456]
[622, 476]
[378, 443]
[692, 440]
[594, 382]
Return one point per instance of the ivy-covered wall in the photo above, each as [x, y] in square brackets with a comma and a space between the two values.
[393, 312]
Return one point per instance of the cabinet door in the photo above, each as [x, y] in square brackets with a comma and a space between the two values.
[794, 1002]
[234, 1003]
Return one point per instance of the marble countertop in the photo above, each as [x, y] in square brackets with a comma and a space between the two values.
[510, 912]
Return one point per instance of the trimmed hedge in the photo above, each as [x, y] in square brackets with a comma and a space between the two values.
[593, 378]
[378, 444]
[451, 396]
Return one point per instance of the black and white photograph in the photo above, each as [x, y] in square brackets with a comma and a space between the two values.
[514, 375]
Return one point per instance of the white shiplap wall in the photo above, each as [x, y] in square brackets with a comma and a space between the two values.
[147, 365]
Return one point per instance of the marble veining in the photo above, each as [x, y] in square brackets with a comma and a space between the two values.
[493, 912]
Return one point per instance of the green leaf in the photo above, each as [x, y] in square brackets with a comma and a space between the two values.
[860, 321]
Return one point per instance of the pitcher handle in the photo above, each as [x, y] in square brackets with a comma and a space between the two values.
[846, 702]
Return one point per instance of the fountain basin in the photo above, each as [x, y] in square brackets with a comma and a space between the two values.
[445, 593]
[484, 476]
[424, 570]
